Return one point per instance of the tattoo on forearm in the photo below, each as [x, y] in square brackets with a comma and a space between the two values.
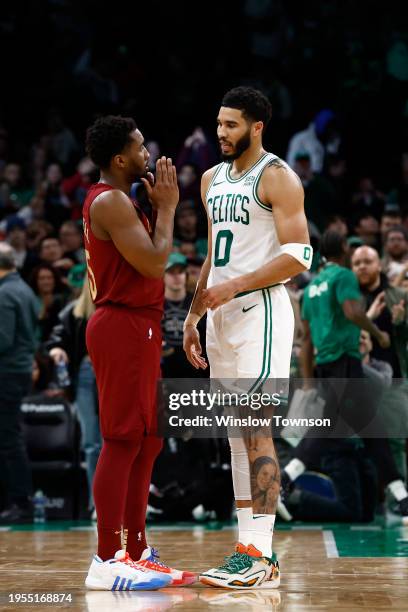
[265, 484]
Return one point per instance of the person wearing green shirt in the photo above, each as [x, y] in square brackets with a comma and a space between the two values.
[333, 316]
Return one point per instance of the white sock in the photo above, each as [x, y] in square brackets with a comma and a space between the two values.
[261, 533]
[244, 516]
[295, 468]
[398, 489]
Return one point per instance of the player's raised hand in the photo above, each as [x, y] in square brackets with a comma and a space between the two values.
[163, 191]
[192, 347]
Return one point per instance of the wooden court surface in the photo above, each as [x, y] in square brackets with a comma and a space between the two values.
[313, 576]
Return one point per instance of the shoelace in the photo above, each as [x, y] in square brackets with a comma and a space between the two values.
[154, 558]
[129, 561]
[236, 561]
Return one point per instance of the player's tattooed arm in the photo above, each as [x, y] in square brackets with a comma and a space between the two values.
[278, 163]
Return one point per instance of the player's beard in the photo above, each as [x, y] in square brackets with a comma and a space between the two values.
[240, 147]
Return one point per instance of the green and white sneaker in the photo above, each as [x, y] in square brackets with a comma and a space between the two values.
[246, 568]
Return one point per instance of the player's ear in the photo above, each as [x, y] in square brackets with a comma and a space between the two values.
[119, 161]
[257, 128]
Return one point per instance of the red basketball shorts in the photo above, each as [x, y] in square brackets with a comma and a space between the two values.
[124, 345]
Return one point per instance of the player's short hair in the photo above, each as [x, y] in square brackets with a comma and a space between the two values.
[107, 137]
[254, 105]
[332, 244]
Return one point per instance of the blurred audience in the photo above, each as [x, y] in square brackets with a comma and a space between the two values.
[18, 330]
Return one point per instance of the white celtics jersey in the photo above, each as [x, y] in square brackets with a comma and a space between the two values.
[243, 230]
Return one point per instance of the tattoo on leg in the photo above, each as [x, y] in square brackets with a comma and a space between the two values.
[265, 484]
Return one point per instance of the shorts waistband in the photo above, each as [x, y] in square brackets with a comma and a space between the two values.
[140, 311]
[253, 290]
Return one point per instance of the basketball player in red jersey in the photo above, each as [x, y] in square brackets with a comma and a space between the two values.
[126, 257]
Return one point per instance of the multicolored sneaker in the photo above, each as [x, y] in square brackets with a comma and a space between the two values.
[246, 568]
[122, 574]
[150, 561]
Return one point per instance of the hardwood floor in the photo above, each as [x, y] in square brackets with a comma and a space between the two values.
[315, 575]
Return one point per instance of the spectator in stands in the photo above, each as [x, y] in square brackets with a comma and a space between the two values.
[198, 151]
[70, 237]
[59, 139]
[368, 229]
[56, 203]
[367, 199]
[177, 303]
[16, 237]
[189, 182]
[333, 316]
[67, 344]
[338, 224]
[387, 306]
[320, 138]
[389, 219]
[76, 186]
[18, 316]
[35, 210]
[14, 194]
[351, 472]
[336, 174]
[186, 222]
[51, 253]
[36, 232]
[401, 280]
[320, 198]
[49, 289]
[395, 251]
[194, 265]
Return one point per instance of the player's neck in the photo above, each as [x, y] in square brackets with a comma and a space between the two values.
[115, 182]
[247, 159]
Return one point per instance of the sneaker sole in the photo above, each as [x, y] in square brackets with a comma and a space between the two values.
[97, 585]
[183, 581]
[267, 585]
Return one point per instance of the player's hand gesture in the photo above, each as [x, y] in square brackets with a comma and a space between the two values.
[219, 294]
[163, 191]
[192, 347]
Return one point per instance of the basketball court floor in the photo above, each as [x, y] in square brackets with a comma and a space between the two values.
[324, 567]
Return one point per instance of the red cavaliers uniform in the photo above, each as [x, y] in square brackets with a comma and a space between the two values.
[123, 336]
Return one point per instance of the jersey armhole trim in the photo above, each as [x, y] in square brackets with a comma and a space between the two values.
[214, 176]
[255, 190]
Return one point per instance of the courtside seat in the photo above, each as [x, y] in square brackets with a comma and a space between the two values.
[52, 437]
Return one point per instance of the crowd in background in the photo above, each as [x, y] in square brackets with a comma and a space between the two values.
[339, 98]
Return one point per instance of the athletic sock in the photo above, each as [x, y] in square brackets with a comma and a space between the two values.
[134, 521]
[261, 533]
[244, 516]
[110, 490]
[398, 489]
[295, 468]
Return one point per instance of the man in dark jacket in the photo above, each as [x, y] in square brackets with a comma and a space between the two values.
[387, 306]
[18, 321]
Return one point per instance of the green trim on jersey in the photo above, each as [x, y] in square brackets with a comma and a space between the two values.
[255, 191]
[232, 180]
[267, 343]
[218, 168]
[253, 290]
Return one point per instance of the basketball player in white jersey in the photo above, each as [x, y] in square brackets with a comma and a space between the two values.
[257, 239]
